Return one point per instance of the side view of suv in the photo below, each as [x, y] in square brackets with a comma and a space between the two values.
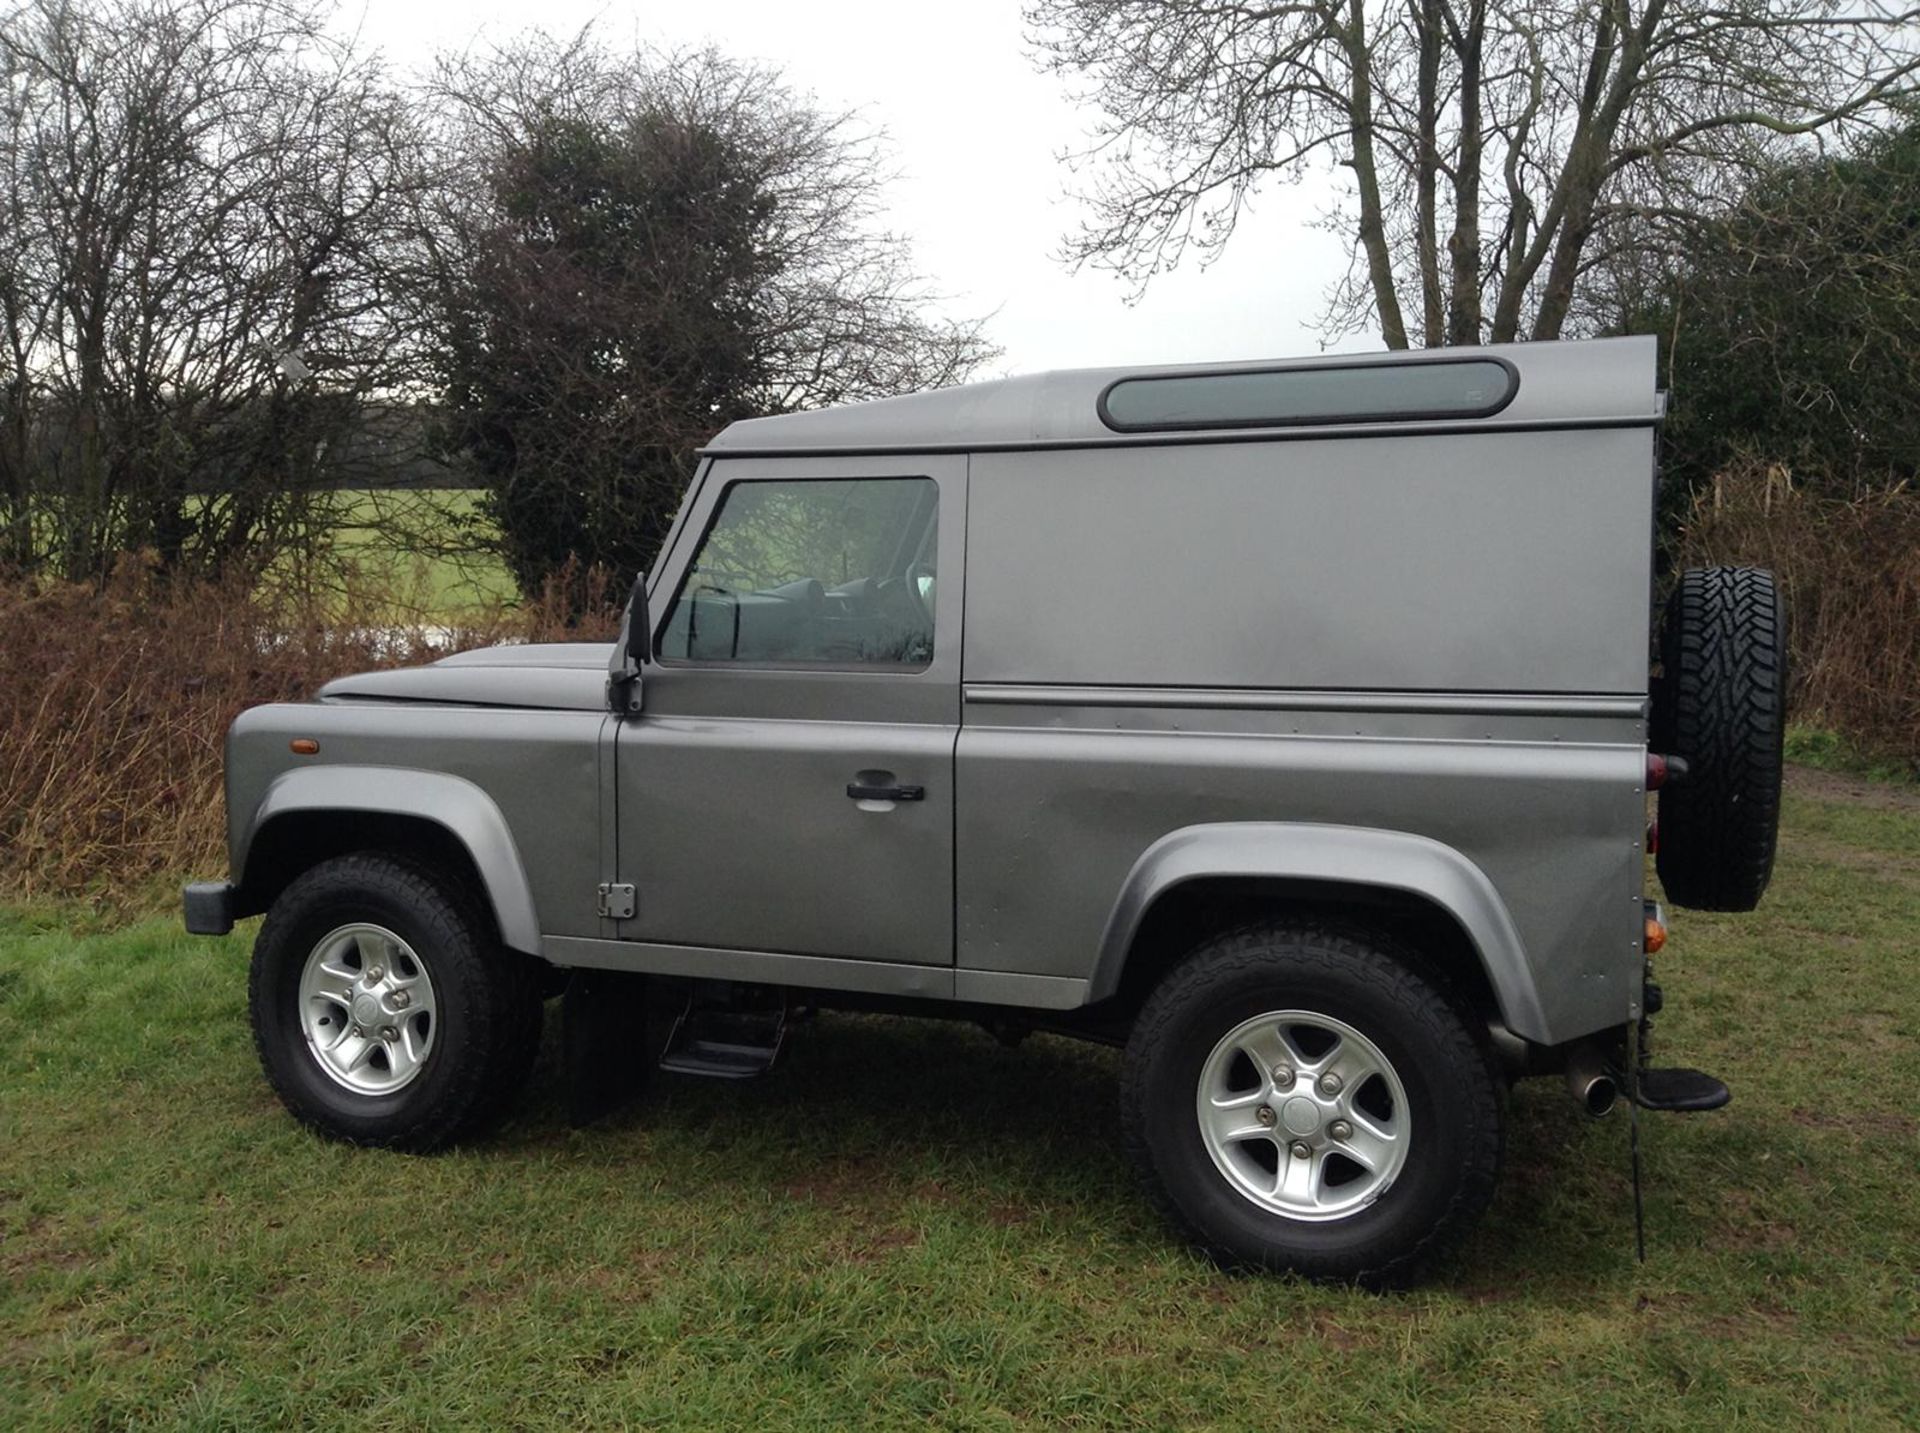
[1291, 725]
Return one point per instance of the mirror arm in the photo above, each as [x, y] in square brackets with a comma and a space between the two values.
[636, 648]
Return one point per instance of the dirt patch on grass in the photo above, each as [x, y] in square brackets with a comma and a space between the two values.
[1746, 1224]
[1821, 785]
[1875, 1124]
[839, 1184]
[40, 1245]
[867, 1246]
[1886, 865]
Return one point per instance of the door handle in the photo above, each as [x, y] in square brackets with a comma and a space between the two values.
[864, 791]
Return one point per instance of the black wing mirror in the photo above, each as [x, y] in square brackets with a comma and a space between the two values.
[639, 629]
[636, 649]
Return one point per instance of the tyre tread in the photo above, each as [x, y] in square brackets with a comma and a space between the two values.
[1723, 708]
[1355, 953]
[503, 1007]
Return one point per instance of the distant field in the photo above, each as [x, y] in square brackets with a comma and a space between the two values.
[908, 1226]
[408, 543]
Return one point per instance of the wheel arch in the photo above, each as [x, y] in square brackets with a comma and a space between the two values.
[1231, 872]
[315, 813]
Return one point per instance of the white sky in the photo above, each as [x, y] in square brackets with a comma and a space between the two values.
[974, 130]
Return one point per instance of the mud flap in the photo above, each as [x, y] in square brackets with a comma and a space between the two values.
[606, 1050]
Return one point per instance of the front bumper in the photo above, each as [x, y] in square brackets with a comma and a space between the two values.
[208, 907]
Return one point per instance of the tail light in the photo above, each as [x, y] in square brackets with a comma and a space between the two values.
[1664, 769]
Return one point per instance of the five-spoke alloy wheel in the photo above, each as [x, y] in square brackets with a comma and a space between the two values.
[384, 1009]
[1303, 1097]
[1303, 1114]
[366, 1002]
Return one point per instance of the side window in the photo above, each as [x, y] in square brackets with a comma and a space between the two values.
[838, 572]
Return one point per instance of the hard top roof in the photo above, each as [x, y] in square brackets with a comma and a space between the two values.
[1589, 383]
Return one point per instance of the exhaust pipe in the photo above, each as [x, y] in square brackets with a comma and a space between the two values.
[1590, 1082]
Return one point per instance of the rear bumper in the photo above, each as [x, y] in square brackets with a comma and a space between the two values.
[208, 907]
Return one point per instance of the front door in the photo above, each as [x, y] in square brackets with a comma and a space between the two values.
[788, 786]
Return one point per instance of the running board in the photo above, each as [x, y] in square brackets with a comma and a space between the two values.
[721, 1044]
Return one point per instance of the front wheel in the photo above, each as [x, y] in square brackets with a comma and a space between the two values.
[1297, 1097]
[383, 1011]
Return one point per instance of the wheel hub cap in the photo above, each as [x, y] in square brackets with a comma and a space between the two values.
[1338, 1143]
[1301, 1116]
[367, 1009]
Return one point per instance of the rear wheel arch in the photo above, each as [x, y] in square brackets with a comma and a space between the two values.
[1427, 897]
[1193, 911]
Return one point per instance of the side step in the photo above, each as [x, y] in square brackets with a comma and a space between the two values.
[1680, 1091]
[725, 1044]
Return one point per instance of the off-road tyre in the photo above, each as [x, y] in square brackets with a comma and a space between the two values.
[1721, 704]
[488, 1007]
[1455, 1100]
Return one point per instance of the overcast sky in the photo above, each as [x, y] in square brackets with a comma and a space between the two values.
[974, 130]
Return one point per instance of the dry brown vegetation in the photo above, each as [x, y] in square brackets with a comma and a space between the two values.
[114, 701]
[1851, 568]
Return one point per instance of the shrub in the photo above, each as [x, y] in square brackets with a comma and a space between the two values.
[1851, 570]
[115, 699]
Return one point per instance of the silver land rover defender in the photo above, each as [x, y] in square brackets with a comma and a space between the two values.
[1289, 724]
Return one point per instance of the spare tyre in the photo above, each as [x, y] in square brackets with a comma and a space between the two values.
[1721, 704]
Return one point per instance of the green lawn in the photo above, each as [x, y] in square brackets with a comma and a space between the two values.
[908, 1225]
[384, 534]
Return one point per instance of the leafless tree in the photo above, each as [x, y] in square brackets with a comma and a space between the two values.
[197, 293]
[1495, 150]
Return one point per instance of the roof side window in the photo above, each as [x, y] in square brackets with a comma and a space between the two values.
[830, 572]
[1289, 397]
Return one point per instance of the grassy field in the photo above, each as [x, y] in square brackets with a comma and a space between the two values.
[415, 547]
[907, 1224]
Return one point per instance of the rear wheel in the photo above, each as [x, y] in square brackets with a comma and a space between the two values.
[383, 1011]
[1297, 1097]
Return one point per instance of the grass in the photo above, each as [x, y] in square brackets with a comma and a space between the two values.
[907, 1224]
[389, 537]
[1829, 750]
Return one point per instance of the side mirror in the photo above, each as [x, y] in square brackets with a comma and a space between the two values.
[639, 629]
[635, 647]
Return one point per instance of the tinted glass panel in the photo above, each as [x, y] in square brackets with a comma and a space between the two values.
[1468, 388]
[839, 572]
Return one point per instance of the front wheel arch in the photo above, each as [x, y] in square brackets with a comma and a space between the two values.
[287, 846]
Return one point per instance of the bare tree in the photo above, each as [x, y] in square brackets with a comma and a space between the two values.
[197, 294]
[1495, 149]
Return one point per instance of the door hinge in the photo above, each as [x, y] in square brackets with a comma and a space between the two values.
[616, 901]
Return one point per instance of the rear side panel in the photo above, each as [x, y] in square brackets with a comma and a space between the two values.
[1057, 803]
[1490, 562]
[1443, 636]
